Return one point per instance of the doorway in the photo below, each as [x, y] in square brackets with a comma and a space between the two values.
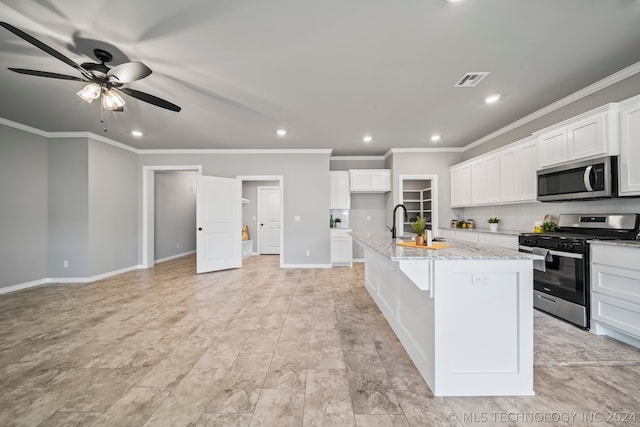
[264, 240]
[419, 195]
[148, 208]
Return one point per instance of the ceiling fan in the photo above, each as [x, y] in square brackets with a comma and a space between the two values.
[102, 81]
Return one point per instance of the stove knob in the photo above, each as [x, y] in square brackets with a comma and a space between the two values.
[562, 245]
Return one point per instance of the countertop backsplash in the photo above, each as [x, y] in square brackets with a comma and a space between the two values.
[522, 216]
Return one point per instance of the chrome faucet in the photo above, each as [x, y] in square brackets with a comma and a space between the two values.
[393, 229]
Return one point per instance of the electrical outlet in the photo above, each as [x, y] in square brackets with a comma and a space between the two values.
[65, 263]
[308, 253]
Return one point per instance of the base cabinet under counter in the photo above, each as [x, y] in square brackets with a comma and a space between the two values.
[615, 291]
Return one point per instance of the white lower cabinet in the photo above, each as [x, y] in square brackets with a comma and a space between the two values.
[341, 247]
[615, 292]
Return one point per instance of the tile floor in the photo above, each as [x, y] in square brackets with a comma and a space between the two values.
[265, 346]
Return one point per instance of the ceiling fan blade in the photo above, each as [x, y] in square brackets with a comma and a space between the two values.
[154, 100]
[128, 72]
[45, 74]
[48, 49]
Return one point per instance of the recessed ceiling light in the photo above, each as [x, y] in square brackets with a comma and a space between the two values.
[454, 1]
[281, 132]
[435, 138]
[367, 138]
[491, 99]
[136, 133]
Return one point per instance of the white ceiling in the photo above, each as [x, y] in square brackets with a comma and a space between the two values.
[329, 71]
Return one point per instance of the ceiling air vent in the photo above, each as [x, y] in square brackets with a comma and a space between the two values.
[471, 79]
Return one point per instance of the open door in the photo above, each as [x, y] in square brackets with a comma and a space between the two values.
[219, 223]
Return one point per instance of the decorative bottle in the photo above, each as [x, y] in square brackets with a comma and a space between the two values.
[331, 222]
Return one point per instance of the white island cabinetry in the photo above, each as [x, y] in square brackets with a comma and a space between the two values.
[464, 314]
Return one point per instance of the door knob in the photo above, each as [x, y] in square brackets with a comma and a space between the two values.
[261, 225]
[199, 228]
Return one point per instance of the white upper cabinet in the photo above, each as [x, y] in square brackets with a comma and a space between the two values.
[507, 175]
[518, 167]
[340, 192]
[629, 162]
[460, 185]
[370, 180]
[588, 135]
[485, 180]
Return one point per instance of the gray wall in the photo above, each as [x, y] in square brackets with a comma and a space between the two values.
[68, 207]
[345, 165]
[250, 210]
[305, 192]
[113, 208]
[175, 213]
[424, 164]
[365, 205]
[23, 207]
[618, 92]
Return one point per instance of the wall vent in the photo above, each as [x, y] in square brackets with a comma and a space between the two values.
[471, 79]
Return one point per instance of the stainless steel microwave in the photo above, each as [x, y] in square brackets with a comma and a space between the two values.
[588, 179]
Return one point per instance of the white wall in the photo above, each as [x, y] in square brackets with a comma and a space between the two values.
[23, 206]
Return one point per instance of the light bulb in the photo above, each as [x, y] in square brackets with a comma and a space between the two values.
[90, 92]
[112, 101]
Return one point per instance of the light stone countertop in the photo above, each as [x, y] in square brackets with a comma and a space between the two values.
[628, 243]
[385, 245]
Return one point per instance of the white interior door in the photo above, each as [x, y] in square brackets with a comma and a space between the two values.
[269, 220]
[219, 223]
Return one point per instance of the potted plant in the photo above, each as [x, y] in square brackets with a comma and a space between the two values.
[493, 223]
[419, 224]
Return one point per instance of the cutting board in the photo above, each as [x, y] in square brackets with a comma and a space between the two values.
[434, 245]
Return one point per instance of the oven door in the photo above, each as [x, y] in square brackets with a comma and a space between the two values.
[564, 276]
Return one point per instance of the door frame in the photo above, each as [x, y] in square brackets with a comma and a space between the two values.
[148, 207]
[434, 198]
[280, 180]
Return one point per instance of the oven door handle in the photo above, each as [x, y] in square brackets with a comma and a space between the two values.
[587, 178]
[528, 249]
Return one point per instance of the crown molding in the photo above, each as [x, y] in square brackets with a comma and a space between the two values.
[25, 128]
[351, 158]
[95, 137]
[238, 151]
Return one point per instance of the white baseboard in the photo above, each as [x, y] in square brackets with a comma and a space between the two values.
[306, 266]
[48, 280]
[169, 258]
[358, 260]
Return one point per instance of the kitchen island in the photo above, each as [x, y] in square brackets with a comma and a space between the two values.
[463, 314]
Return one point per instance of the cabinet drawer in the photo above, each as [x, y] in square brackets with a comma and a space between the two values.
[616, 282]
[622, 315]
[617, 256]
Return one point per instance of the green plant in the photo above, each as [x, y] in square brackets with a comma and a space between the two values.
[419, 224]
[548, 226]
[493, 220]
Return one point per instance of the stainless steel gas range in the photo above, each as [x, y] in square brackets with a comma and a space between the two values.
[561, 283]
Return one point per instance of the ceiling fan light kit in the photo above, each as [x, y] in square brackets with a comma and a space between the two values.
[102, 80]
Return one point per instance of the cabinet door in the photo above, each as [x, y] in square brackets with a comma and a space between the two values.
[553, 148]
[341, 250]
[630, 151]
[461, 186]
[510, 184]
[478, 182]
[492, 190]
[360, 180]
[527, 167]
[381, 180]
[586, 138]
[340, 193]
